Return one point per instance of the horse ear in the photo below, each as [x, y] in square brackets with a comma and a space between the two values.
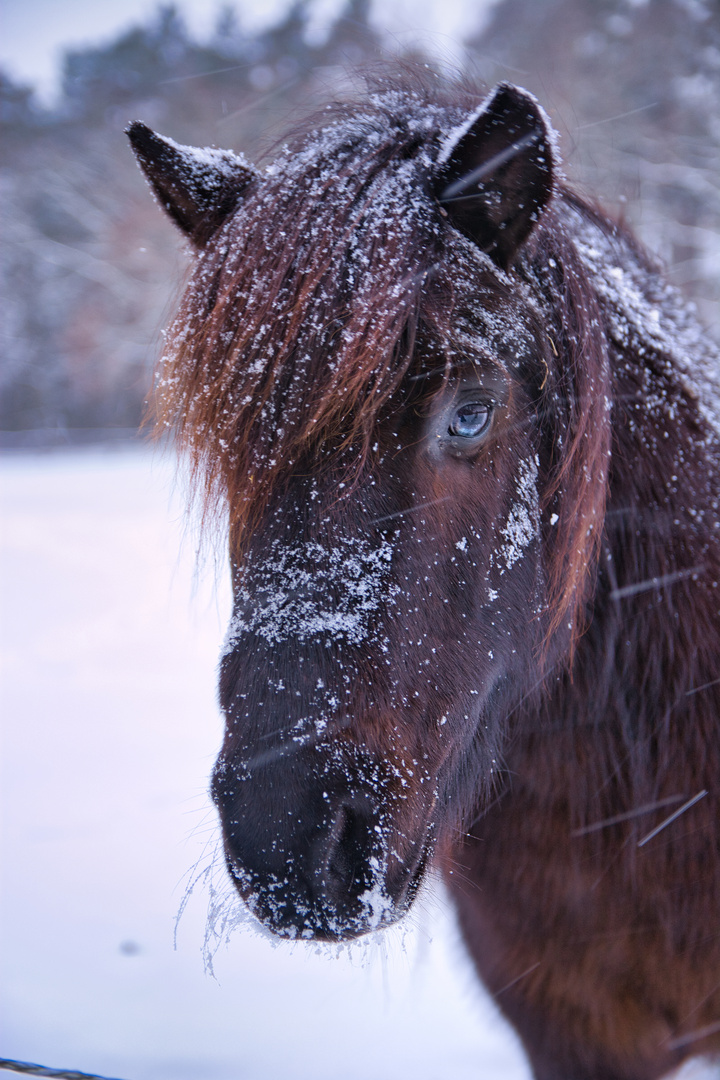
[495, 173]
[197, 188]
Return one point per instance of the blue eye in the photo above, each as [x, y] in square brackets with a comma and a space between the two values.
[471, 419]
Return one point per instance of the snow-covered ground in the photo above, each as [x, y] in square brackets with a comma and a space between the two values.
[110, 727]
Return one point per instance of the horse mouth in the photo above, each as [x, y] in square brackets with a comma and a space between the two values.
[289, 909]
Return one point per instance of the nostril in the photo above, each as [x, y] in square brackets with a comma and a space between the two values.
[347, 868]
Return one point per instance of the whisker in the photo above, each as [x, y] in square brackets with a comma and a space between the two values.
[432, 372]
[531, 691]
[285, 749]
[485, 810]
[701, 1002]
[612, 863]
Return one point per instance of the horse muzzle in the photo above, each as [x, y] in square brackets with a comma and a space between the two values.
[320, 847]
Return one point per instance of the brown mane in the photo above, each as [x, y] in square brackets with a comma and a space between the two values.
[301, 317]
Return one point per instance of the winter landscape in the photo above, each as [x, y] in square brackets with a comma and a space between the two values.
[123, 950]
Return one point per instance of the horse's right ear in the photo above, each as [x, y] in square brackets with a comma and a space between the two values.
[495, 173]
[197, 188]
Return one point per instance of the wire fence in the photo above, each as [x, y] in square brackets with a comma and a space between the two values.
[29, 1069]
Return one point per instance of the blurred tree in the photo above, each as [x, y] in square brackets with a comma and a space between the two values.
[88, 266]
[634, 89]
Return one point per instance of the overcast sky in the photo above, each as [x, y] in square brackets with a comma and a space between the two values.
[33, 33]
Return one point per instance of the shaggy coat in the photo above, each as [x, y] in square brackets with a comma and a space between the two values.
[467, 442]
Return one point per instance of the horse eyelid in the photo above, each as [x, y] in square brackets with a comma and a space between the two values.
[488, 402]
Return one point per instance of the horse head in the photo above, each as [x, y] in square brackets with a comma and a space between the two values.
[375, 372]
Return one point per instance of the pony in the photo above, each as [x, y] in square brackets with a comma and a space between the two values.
[466, 440]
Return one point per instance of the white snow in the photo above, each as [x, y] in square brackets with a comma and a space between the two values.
[208, 166]
[522, 524]
[356, 571]
[110, 728]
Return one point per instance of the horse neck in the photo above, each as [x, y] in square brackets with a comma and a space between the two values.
[635, 716]
[654, 634]
[664, 491]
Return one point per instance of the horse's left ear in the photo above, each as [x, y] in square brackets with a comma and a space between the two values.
[495, 173]
[197, 188]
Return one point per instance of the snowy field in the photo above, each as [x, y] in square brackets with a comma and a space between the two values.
[109, 647]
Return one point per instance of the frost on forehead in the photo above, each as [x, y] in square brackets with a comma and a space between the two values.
[308, 591]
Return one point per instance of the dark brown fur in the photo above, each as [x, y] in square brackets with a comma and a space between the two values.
[530, 742]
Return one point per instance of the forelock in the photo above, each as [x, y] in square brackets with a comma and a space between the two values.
[300, 317]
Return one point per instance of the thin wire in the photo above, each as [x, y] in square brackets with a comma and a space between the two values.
[28, 1068]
